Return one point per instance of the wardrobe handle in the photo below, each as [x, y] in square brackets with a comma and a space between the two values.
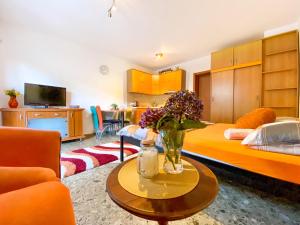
[258, 100]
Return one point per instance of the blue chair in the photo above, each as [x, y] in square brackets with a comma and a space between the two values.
[99, 126]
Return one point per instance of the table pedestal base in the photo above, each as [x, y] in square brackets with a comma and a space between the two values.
[163, 222]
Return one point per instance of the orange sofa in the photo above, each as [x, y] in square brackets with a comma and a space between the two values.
[210, 143]
[26, 148]
[33, 196]
[30, 190]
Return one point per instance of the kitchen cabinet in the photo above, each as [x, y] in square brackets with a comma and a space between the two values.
[145, 83]
[139, 82]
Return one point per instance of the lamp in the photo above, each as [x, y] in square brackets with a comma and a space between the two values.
[112, 7]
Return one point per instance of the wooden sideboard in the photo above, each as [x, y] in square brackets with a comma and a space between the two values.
[23, 117]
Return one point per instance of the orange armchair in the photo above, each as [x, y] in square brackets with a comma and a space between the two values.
[23, 147]
[30, 190]
[41, 199]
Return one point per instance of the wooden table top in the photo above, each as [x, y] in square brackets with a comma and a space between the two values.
[167, 209]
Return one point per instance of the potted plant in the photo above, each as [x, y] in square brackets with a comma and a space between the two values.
[12, 93]
[114, 106]
[181, 112]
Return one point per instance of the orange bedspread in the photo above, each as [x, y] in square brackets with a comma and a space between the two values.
[210, 142]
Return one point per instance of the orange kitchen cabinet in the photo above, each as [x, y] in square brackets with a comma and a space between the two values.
[139, 82]
[172, 81]
[146, 83]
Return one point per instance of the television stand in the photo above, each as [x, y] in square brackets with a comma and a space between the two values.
[67, 121]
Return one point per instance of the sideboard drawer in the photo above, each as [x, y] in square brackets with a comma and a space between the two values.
[36, 115]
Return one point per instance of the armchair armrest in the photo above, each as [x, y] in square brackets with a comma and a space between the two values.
[14, 178]
[23, 147]
[46, 203]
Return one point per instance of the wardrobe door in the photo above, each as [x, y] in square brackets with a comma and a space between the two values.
[248, 53]
[222, 96]
[247, 90]
[222, 59]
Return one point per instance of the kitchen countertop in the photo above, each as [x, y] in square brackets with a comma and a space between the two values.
[146, 107]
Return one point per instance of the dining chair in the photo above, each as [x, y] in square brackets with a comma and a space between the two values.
[99, 125]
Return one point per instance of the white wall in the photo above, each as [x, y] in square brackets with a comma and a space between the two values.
[26, 56]
[191, 67]
[282, 29]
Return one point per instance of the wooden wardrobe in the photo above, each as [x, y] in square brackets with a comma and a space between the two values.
[261, 73]
[235, 88]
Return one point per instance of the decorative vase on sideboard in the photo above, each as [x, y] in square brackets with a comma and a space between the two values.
[13, 103]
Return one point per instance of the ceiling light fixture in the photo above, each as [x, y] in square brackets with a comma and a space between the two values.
[159, 55]
[112, 8]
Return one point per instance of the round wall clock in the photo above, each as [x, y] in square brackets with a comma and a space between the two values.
[104, 69]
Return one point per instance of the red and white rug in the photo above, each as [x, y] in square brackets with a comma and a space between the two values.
[80, 160]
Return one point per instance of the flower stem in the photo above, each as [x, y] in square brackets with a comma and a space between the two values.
[171, 160]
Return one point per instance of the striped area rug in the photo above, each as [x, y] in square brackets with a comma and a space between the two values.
[80, 160]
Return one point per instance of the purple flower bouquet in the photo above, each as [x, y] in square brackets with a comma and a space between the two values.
[182, 111]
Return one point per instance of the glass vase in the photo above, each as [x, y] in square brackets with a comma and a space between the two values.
[172, 141]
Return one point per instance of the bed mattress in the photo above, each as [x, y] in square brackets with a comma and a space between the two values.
[210, 143]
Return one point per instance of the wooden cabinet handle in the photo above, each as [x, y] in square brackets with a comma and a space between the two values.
[37, 114]
[21, 117]
[56, 114]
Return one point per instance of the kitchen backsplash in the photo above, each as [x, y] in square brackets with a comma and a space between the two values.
[147, 100]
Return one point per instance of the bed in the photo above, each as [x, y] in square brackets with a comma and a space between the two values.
[211, 144]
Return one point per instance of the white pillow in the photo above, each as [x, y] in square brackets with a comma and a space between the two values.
[286, 119]
[287, 132]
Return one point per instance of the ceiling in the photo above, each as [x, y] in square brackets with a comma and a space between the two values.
[181, 29]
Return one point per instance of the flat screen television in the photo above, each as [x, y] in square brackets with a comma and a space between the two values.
[44, 95]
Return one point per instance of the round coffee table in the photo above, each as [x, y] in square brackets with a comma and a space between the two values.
[164, 210]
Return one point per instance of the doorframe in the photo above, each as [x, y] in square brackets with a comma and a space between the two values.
[195, 77]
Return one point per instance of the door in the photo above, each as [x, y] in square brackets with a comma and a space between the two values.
[202, 88]
[248, 53]
[222, 96]
[139, 82]
[222, 59]
[247, 90]
[138, 114]
[172, 81]
[78, 129]
[13, 118]
[163, 83]
[71, 123]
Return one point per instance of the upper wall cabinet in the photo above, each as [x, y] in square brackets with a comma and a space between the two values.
[145, 83]
[248, 53]
[139, 82]
[222, 59]
[172, 81]
[231, 58]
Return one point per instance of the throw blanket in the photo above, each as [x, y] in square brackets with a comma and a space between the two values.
[139, 133]
[80, 160]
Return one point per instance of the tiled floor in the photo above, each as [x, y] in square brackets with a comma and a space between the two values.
[239, 200]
